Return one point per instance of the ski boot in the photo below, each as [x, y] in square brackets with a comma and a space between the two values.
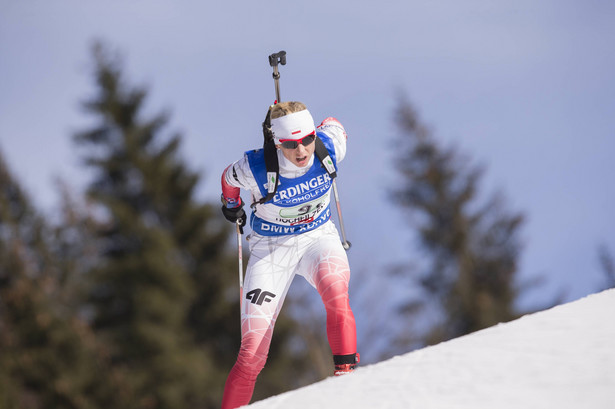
[345, 364]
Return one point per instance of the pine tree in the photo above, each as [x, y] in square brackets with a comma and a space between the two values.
[161, 253]
[164, 293]
[471, 247]
[48, 356]
[607, 262]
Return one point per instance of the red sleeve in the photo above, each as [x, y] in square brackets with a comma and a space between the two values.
[230, 194]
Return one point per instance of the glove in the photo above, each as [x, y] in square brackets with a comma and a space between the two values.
[235, 215]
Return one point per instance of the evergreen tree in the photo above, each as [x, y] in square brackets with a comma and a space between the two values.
[164, 292]
[48, 356]
[605, 257]
[160, 251]
[471, 247]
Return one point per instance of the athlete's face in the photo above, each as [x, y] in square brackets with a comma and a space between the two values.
[301, 155]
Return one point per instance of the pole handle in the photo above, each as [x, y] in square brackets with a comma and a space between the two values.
[277, 58]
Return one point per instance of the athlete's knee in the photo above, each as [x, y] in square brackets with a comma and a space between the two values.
[335, 295]
[251, 364]
[339, 313]
[253, 354]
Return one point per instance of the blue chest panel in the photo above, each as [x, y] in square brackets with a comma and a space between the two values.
[300, 204]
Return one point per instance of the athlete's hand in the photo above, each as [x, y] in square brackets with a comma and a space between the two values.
[235, 215]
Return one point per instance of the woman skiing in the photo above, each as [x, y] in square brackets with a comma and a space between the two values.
[292, 233]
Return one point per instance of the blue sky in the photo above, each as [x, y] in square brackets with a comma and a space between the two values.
[525, 88]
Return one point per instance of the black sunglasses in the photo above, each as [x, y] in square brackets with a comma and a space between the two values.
[293, 144]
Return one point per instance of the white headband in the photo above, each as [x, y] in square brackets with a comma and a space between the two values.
[293, 126]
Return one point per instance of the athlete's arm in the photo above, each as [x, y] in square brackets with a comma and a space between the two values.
[334, 129]
[230, 193]
[238, 176]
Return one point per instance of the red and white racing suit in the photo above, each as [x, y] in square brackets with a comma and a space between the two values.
[292, 234]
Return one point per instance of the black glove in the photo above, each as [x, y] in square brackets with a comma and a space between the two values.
[235, 215]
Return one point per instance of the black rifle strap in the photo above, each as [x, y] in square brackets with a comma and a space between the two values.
[271, 161]
[267, 133]
[325, 159]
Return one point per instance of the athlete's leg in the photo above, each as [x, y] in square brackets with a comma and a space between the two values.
[268, 276]
[325, 266]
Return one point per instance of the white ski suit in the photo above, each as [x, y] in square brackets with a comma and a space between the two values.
[291, 234]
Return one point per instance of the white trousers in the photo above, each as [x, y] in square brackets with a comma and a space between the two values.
[319, 257]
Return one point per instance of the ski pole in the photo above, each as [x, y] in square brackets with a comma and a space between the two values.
[240, 257]
[345, 243]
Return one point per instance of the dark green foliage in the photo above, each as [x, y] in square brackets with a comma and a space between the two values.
[157, 294]
[48, 356]
[471, 248]
[164, 294]
[605, 258]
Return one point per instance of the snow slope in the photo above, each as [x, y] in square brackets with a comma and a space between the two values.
[559, 358]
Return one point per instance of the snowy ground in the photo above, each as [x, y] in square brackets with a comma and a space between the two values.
[560, 358]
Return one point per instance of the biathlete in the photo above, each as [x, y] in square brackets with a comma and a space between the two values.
[292, 233]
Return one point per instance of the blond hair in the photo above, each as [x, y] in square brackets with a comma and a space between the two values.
[285, 108]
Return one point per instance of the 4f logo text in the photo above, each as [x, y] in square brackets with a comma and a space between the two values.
[259, 296]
